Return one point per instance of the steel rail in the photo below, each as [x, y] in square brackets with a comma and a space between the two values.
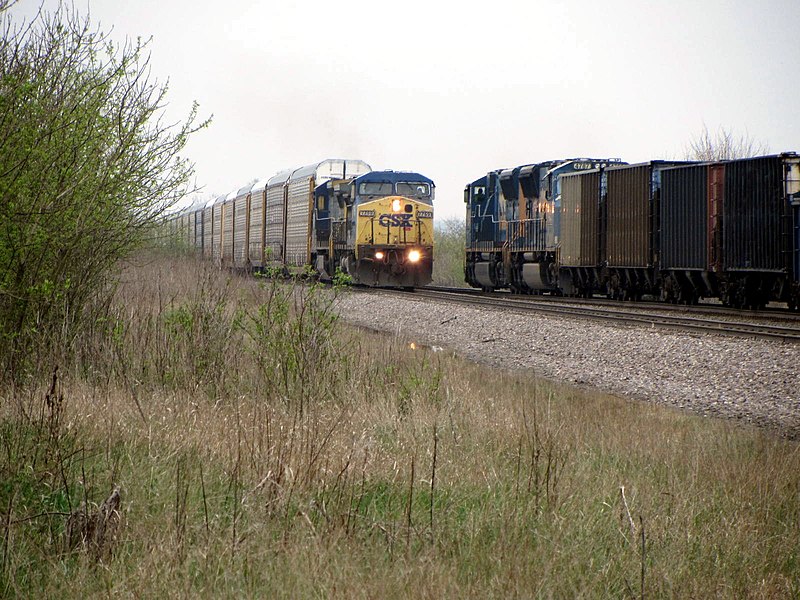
[621, 315]
[766, 314]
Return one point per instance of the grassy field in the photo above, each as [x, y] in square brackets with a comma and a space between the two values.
[261, 448]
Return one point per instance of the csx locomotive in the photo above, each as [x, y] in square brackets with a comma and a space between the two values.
[673, 231]
[334, 215]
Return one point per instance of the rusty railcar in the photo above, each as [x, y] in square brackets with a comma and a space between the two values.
[580, 265]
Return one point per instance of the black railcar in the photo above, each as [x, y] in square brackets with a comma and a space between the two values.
[730, 231]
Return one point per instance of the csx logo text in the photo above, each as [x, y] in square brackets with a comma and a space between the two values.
[403, 221]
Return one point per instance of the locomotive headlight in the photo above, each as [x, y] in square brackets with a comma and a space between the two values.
[414, 256]
[379, 255]
[396, 205]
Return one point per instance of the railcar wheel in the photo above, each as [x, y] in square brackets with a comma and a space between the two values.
[794, 297]
[687, 297]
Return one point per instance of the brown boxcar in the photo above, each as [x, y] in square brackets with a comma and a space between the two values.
[628, 205]
[631, 210]
[580, 197]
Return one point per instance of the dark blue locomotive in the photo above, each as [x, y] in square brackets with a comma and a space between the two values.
[674, 231]
[513, 225]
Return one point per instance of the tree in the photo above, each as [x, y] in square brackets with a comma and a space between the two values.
[448, 253]
[725, 144]
[87, 167]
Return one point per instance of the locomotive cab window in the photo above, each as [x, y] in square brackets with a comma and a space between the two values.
[415, 189]
[375, 188]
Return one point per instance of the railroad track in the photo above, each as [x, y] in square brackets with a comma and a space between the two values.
[771, 313]
[623, 313]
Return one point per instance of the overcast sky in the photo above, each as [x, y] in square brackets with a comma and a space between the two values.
[455, 89]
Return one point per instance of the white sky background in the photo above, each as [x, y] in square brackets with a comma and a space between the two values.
[455, 89]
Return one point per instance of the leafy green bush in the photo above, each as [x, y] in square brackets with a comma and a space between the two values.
[87, 168]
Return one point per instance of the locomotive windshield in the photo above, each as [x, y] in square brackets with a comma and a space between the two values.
[410, 189]
[413, 189]
[375, 188]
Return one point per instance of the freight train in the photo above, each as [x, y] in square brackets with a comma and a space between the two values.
[331, 216]
[670, 231]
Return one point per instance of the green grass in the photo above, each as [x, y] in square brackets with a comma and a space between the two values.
[345, 464]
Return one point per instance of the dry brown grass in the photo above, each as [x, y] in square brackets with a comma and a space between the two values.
[403, 473]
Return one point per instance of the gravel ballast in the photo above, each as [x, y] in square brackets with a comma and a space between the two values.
[750, 380]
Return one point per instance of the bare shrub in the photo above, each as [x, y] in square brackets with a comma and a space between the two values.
[724, 144]
[95, 529]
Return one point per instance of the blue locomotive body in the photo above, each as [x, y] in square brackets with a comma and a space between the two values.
[514, 223]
